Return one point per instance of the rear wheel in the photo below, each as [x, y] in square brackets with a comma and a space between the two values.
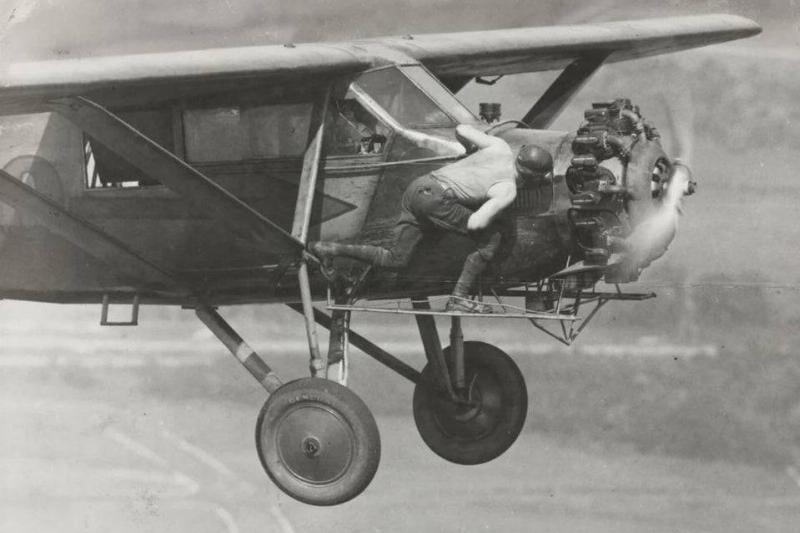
[490, 418]
[318, 441]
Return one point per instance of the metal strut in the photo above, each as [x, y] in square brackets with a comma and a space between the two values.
[366, 346]
[433, 347]
[558, 95]
[457, 373]
[300, 226]
[240, 349]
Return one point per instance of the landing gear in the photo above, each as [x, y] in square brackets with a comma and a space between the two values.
[317, 441]
[486, 417]
[315, 438]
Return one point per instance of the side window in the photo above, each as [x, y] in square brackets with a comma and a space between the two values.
[352, 130]
[106, 170]
[239, 133]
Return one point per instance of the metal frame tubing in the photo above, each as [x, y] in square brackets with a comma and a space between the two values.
[433, 347]
[457, 373]
[300, 226]
[366, 346]
[244, 353]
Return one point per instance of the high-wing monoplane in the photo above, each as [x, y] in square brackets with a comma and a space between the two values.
[197, 178]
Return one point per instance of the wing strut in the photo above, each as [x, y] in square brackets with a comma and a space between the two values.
[561, 91]
[161, 164]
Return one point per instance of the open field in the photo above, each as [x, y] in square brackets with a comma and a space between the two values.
[114, 459]
[126, 430]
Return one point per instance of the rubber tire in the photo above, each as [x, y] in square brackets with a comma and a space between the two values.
[499, 378]
[344, 405]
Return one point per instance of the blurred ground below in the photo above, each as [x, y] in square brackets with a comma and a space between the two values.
[151, 429]
[112, 457]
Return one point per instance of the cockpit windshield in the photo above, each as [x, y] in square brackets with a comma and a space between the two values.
[413, 97]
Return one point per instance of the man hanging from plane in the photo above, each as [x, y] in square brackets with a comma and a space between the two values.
[464, 197]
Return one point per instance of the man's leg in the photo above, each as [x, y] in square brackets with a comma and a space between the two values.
[450, 215]
[406, 240]
[420, 198]
[488, 242]
[474, 266]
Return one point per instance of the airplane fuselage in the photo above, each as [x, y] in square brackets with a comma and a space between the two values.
[49, 153]
[251, 144]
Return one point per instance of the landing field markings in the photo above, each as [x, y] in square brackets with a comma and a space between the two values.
[218, 466]
[178, 478]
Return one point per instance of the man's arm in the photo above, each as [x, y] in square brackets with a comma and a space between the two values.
[438, 145]
[501, 195]
[471, 136]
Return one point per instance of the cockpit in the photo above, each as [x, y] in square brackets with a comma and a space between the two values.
[386, 102]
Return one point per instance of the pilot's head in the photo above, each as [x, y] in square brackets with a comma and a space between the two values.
[533, 163]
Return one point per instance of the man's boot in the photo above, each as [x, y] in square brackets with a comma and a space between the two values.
[460, 300]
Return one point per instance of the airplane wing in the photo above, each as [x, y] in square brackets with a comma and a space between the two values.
[103, 80]
[174, 74]
[448, 55]
[496, 52]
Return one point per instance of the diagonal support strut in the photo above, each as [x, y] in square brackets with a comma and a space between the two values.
[239, 349]
[561, 91]
[366, 346]
[179, 176]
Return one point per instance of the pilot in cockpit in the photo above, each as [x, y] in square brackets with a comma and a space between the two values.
[356, 130]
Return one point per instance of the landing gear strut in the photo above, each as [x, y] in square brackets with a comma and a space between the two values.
[471, 401]
[316, 439]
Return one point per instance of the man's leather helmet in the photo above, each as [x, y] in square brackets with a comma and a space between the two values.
[534, 160]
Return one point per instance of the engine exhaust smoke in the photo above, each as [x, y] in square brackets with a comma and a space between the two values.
[651, 238]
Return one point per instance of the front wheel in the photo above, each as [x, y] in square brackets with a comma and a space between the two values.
[490, 418]
[318, 441]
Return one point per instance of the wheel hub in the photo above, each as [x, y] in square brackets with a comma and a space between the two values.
[315, 443]
[476, 417]
[465, 410]
[311, 447]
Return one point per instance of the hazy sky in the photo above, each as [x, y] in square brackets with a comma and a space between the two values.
[82, 27]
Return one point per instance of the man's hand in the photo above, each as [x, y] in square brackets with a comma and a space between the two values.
[501, 195]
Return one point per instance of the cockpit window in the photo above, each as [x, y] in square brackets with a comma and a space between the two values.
[440, 95]
[352, 130]
[403, 99]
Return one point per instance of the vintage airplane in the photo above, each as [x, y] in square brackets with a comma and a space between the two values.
[197, 178]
